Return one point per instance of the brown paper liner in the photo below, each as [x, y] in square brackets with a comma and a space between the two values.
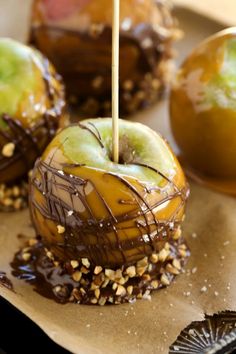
[146, 326]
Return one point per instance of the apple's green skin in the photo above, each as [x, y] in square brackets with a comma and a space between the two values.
[21, 70]
[82, 152]
[138, 144]
[203, 107]
[32, 97]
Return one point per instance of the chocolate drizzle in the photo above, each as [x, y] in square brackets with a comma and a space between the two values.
[104, 240]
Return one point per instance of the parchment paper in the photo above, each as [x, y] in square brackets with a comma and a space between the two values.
[146, 326]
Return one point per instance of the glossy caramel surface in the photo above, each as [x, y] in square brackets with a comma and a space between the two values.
[203, 110]
[112, 214]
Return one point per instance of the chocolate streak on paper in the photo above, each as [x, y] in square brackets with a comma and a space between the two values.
[4, 281]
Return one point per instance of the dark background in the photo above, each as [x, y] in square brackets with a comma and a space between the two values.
[18, 334]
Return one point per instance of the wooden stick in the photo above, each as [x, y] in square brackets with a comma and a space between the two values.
[115, 79]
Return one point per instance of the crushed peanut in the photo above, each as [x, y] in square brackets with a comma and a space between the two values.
[8, 150]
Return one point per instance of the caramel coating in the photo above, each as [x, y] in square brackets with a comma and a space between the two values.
[203, 110]
[31, 108]
[76, 37]
[84, 205]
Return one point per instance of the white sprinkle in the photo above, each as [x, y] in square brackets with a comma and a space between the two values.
[205, 255]
[188, 293]
[222, 257]
[194, 235]
[226, 243]
[216, 293]
[88, 325]
[176, 348]
[61, 172]
[70, 212]
[129, 331]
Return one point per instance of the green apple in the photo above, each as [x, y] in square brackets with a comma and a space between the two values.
[203, 108]
[31, 104]
[111, 213]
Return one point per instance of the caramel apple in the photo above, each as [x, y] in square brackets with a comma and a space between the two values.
[203, 111]
[115, 228]
[76, 36]
[31, 110]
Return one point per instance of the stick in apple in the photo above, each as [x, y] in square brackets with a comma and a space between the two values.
[115, 79]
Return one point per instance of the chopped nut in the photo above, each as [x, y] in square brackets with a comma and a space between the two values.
[182, 252]
[110, 274]
[97, 293]
[94, 301]
[97, 270]
[26, 256]
[84, 270]
[98, 280]
[122, 281]
[74, 264]
[172, 269]
[163, 254]
[118, 274]
[102, 301]
[167, 246]
[120, 290]
[154, 258]
[141, 270]
[131, 271]
[177, 234]
[176, 264]
[77, 276]
[93, 286]
[85, 262]
[105, 283]
[75, 292]
[114, 286]
[61, 229]
[143, 262]
[130, 289]
[146, 277]
[165, 280]
[154, 284]
[8, 150]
